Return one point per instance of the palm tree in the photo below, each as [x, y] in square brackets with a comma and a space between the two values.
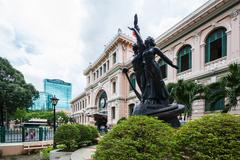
[185, 92]
[227, 88]
[214, 93]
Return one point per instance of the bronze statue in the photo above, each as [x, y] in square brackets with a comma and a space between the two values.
[154, 98]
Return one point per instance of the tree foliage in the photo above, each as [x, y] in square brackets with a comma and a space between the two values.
[211, 137]
[185, 92]
[137, 138]
[228, 88]
[20, 114]
[213, 93]
[14, 91]
[23, 115]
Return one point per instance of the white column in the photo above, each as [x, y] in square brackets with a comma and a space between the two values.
[174, 71]
[233, 35]
[196, 56]
[230, 45]
[170, 76]
[202, 56]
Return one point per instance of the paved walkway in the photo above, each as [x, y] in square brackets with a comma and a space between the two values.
[83, 153]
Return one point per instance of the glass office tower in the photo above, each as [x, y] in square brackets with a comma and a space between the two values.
[62, 90]
[42, 102]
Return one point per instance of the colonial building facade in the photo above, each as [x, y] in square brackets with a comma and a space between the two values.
[203, 45]
[104, 100]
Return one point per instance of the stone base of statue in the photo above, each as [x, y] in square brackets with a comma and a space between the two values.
[166, 113]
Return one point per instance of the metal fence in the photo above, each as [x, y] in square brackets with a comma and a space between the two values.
[24, 134]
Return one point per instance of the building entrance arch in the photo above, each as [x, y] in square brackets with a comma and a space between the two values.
[100, 116]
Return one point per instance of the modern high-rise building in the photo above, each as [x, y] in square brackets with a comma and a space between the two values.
[42, 103]
[62, 90]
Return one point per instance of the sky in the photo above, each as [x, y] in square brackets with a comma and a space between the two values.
[58, 39]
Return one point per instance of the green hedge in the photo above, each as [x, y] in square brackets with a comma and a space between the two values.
[73, 136]
[210, 137]
[139, 137]
[67, 134]
[94, 134]
[84, 136]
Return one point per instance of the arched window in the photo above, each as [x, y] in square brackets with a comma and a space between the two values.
[184, 58]
[163, 68]
[216, 45]
[133, 81]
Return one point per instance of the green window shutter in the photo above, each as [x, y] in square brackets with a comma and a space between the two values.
[133, 82]
[219, 33]
[186, 50]
[224, 45]
[207, 52]
[179, 63]
[219, 105]
[190, 59]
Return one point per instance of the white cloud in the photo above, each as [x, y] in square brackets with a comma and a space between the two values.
[52, 30]
[58, 38]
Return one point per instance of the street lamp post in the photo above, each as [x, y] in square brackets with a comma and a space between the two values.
[54, 103]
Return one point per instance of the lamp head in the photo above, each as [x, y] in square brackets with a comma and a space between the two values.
[54, 100]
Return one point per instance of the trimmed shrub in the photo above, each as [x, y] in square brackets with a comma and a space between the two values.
[94, 134]
[84, 136]
[67, 135]
[210, 137]
[121, 119]
[139, 137]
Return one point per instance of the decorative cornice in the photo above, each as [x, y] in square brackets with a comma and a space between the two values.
[119, 38]
[116, 99]
[235, 13]
[83, 94]
[105, 77]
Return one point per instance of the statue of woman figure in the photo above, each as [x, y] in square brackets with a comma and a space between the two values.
[153, 87]
[155, 91]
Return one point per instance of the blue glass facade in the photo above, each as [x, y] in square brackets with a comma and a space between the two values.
[42, 102]
[62, 90]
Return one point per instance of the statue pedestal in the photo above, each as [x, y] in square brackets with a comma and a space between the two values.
[166, 113]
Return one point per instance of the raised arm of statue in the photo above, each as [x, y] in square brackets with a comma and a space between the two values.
[136, 23]
[164, 58]
[136, 31]
[139, 39]
[138, 36]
